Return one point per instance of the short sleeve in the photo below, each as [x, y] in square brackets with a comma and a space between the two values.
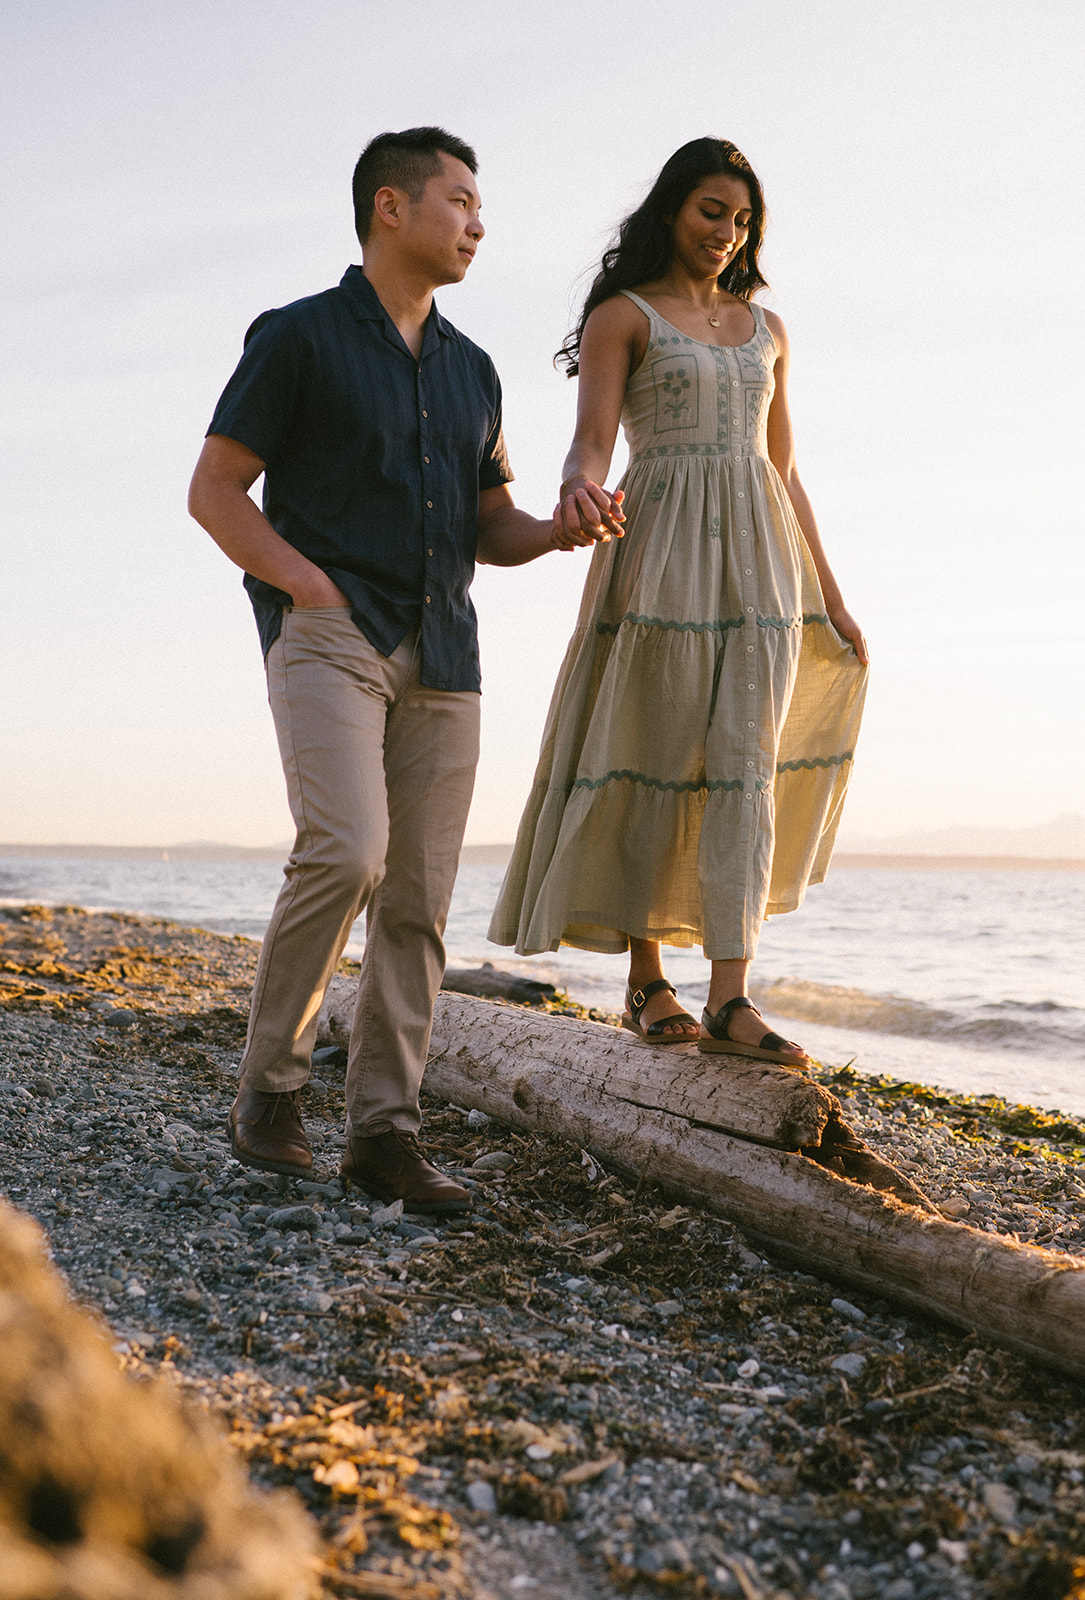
[258, 403]
[494, 469]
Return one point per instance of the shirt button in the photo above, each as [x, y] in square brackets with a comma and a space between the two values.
[750, 724]
[427, 600]
[425, 413]
[747, 797]
[429, 552]
[744, 533]
[751, 686]
[749, 649]
[734, 383]
[749, 763]
[426, 460]
[741, 492]
[429, 503]
[748, 571]
[749, 611]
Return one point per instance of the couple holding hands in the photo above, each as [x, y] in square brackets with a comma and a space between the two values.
[701, 733]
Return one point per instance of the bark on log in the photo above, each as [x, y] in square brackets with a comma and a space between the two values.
[710, 1130]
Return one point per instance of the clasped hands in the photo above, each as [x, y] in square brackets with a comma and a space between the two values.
[587, 514]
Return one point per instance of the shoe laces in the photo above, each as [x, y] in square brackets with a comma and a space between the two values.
[411, 1143]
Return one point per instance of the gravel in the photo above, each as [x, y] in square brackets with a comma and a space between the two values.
[581, 1389]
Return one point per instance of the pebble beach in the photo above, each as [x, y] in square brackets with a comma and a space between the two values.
[583, 1389]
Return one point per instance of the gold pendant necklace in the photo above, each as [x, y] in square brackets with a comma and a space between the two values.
[713, 322]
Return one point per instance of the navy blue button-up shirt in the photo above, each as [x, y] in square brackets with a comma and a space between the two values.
[373, 465]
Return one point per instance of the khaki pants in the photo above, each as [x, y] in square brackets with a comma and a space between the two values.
[379, 773]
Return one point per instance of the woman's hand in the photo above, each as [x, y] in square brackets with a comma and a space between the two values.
[846, 625]
[587, 514]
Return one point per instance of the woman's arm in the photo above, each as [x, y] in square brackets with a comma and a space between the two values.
[781, 447]
[612, 346]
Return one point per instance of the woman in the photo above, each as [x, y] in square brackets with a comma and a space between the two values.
[700, 738]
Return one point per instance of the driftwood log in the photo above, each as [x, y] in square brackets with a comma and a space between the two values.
[758, 1144]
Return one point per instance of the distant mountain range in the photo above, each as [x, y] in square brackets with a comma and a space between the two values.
[1062, 838]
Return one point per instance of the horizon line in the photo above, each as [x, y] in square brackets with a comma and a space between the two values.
[499, 854]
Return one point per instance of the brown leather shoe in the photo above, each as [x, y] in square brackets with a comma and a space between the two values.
[392, 1165]
[266, 1132]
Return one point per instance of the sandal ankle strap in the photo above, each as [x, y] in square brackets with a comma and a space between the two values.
[639, 998]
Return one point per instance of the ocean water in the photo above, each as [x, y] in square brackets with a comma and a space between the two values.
[974, 980]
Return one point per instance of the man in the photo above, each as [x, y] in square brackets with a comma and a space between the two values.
[377, 426]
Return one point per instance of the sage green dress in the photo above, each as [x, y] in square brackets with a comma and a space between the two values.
[700, 737]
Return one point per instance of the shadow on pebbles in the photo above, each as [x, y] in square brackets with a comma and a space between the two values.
[582, 1389]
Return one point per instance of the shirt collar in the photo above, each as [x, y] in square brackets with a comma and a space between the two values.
[367, 307]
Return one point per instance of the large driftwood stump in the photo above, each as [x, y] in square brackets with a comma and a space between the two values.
[758, 1144]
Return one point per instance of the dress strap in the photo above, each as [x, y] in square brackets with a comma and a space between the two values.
[649, 312]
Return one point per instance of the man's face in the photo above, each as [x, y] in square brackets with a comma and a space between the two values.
[441, 229]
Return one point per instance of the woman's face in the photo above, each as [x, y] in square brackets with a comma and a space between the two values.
[712, 225]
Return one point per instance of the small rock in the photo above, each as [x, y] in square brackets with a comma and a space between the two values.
[955, 1206]
[851, 1365]
[495, 1161]
[481, 1496]
[387, 1216]
[746, 1258]
[749, 1369]
[475, 1121]
[1001, 1502]
[318, 1301]
[667, 1308]
[844, 1308]
[120, 1017]
[294, 1219]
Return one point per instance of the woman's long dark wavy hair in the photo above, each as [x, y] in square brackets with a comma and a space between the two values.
[644, 244]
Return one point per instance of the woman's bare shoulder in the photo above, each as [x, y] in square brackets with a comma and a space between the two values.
[775, 324]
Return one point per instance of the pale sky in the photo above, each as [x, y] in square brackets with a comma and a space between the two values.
[171, 170]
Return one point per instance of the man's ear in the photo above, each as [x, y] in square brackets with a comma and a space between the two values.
[388, 204]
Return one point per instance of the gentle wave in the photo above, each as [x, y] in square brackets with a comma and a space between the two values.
[1036, 1026]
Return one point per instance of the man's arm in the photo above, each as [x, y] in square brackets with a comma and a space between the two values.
[507, 537]
[219, 499]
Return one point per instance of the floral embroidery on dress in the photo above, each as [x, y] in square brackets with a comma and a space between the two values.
[677, 395]
[659, 491]
[714, 528]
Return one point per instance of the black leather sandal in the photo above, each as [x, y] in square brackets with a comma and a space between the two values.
[771, 1047]
[637, 999]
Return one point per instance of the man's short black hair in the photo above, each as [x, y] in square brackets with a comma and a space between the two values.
[406, 161]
